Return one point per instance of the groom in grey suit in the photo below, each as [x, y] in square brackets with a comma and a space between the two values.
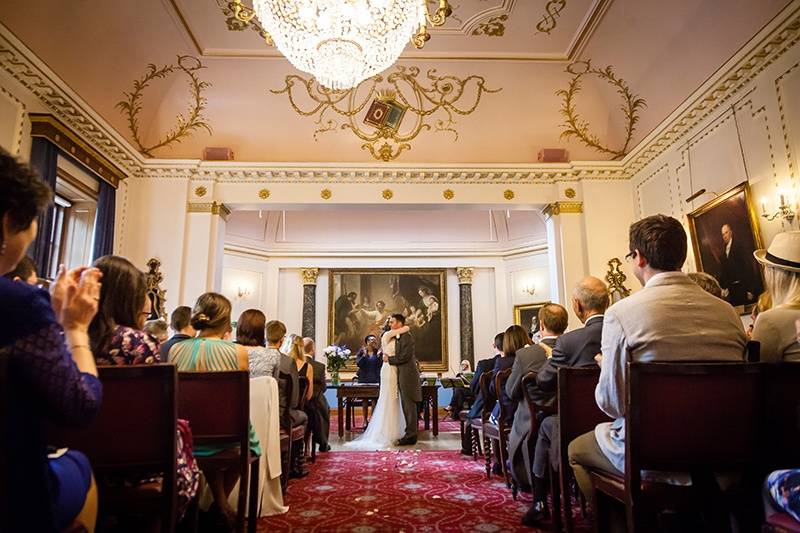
[407, 378]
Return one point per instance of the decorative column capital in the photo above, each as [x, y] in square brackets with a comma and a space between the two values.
[309, 275]
[559, 208]
[465, 275]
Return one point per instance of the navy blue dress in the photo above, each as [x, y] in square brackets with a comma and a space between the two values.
[44, 384]
[369, 367]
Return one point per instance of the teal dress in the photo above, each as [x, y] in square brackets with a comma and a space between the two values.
[209, 355]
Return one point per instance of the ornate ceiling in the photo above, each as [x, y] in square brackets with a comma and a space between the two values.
[659, 51]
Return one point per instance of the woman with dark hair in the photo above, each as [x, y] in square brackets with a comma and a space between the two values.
[24, 271]
[51, 372]
[514, 338]
[117, 339]
[251, 333]
[210, 352]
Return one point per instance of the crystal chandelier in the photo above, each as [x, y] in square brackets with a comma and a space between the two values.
[343, 42]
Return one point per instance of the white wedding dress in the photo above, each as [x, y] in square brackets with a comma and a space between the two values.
[387, 424]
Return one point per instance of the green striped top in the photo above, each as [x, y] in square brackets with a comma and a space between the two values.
[204, 355]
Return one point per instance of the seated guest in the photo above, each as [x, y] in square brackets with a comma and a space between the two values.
[210, 352]
[670, 319]
[51, 371]
[484, 365]
[774, 328]
[250, 333]
[553, 321]
[25, 271]
[707, 282]
[304, 369]
[369, 361]
[276, 334]
[179, 322]
[576, 348]
[461, 395]
[319, 412]
[157, 329]
[117, 338]
[764, 302]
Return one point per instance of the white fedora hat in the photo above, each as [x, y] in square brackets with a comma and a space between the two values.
[784, 252]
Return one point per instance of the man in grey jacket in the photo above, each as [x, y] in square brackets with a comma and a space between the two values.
[408, 382]
[670, 319]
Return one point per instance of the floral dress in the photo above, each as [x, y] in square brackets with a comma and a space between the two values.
[131, 346]
[784, 487]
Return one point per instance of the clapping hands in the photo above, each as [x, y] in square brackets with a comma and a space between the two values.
[75, 295]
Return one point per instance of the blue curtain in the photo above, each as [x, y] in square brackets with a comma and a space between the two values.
[104, 220]
[44, 161]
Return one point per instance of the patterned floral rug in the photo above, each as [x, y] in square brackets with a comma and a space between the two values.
[407, 491]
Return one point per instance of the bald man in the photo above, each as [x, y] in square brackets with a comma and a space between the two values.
[319, 412]
[590, 300]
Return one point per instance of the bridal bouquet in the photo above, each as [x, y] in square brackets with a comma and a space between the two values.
[337, 357]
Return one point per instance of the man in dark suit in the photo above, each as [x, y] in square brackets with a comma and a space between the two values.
[408, 381]
[484, 365]
[576, 348]
[179, 321]
[319, 409]
[553, 321]
[739, 276]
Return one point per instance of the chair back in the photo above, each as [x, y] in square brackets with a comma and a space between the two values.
[695, 417]
[500, 385]
[578, 412]
[217, 405]
[781, 416]
[302, 391]
[528, 385]
[287, 384]
[488, 397]
[134, 432]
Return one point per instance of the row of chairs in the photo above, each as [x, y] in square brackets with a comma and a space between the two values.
[135, 435]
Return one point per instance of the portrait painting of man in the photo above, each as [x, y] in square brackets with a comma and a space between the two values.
[725, 234]
[361, 302]
[527, 316]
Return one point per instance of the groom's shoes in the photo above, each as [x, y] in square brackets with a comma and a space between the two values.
[406, 441]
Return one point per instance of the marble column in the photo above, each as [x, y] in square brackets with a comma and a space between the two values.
[309, 301]
[465, 299]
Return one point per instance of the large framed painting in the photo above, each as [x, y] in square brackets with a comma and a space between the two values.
[360, 303]
[724, 234]
[527, 316]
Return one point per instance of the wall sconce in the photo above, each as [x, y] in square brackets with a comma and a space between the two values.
[242, 293]
[784, 210]
[529, 288]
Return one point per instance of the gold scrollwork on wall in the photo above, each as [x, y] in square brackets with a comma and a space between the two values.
[432, 103]
[552, 10]
[576, 127]
[494, 27]
[131, 106]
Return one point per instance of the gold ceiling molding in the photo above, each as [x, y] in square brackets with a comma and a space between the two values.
[55, 131]
[200, 191]
[131, 106]
[19, 119]
[215, 208]
[448, 194]
[562, 208]
[579, 128]
[494, 27]
[236, 24]
[552, 10]
[431, 103]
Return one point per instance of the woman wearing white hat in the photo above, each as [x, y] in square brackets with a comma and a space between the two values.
[775, 328]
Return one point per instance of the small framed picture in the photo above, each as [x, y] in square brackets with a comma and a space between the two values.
[527, 316]
[724, 235]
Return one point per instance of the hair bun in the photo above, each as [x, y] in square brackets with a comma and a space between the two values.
[200, 321]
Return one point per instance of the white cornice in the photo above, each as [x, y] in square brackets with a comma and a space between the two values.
[252, 252]
[769, 44]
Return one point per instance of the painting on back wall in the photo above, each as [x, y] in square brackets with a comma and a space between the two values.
[724, 234]
[361, 301]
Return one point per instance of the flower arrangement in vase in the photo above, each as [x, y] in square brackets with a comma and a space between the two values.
[337, 357]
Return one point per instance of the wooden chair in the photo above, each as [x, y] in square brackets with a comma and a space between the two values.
[697, 418]
[578, 414]
[134, 435]
[537, 412]
[498, 432]
[223, 422]
[476, 424]
[289, 433]
[300, 457]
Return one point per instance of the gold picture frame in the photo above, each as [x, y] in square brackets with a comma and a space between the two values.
[524, 313]
[733, 265]
[399, 290]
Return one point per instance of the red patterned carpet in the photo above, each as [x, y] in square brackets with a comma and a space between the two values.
[432, 491]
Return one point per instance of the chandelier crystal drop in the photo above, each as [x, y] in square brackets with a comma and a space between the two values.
[343, 42]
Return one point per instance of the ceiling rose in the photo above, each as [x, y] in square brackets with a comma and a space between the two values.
[343, 42]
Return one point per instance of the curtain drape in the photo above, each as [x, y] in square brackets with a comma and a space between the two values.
[44, 160]
[104, 220]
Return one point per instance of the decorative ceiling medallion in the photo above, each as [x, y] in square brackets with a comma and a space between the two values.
[508, 194]
[494, 27]
[387, 194]
[448, 194]
[263, 194]
[552, 10]
[432, 105]
[200, 191]
[235, 24]
[569, 192]
[186, 125]
[576, 127]
[325, 194]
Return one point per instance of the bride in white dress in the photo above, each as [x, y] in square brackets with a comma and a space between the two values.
[387, 424]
